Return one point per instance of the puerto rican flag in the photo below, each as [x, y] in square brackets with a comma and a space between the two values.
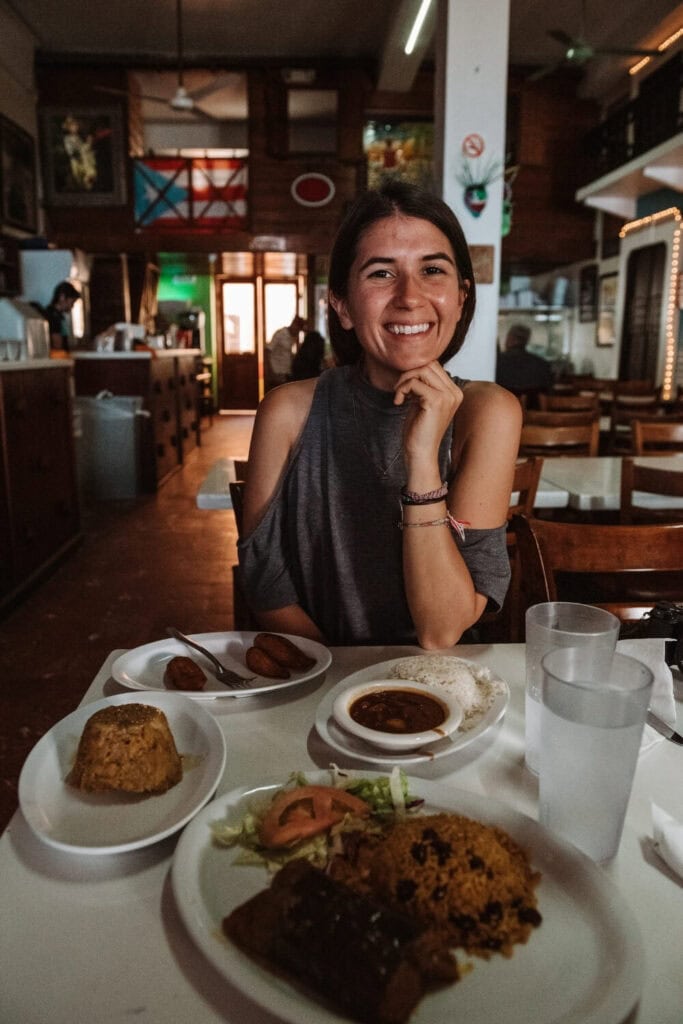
[180, 193]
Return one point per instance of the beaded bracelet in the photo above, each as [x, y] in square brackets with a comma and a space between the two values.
[428, 498]
[449, 519]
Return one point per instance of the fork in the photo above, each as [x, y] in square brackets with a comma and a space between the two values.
[225, 675]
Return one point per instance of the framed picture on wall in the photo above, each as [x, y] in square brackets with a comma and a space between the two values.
[403, 149]
[607, 301]
[83, 156]
[17, 177]
[588, 293]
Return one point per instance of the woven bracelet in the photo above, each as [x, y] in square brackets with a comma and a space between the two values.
[428, 498]
[455, 524]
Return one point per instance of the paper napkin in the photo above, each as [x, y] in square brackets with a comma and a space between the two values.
[667, 833]
[650, 651]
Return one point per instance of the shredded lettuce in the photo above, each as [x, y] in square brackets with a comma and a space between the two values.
[387, 796]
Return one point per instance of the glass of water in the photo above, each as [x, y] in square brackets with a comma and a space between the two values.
[591, 728]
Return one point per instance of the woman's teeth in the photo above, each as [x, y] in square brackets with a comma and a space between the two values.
[408, 328]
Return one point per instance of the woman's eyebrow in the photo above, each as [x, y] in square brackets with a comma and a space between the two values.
[428, 258]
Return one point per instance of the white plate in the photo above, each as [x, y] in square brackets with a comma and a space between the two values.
[81, 822]
[584, 965]
[345, 743]
[142, 668]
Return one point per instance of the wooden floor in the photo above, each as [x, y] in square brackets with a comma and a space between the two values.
[144, 564]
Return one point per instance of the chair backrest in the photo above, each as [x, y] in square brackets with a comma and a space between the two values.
[564, 418]
[652, 480]
[240, 466]
[581, 439]
[237, 498]
[570, 403]
[614, 566]
[656, 435]
[525, 484]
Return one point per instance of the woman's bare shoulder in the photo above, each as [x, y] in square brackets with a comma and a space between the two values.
[286, 407]
[484, 398]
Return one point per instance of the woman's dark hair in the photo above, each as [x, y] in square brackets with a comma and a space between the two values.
[371, 207]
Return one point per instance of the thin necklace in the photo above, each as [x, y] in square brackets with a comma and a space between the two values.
[382, 469]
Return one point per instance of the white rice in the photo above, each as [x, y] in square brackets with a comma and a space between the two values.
[474, 686]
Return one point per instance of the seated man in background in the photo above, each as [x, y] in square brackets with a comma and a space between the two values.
[521, 371]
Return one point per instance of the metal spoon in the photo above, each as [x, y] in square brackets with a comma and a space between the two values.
[223, 674]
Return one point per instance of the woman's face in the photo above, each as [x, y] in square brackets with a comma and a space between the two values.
[404, 297]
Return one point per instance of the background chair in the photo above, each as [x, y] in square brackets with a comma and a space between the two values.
[563, 418]
[547, 441]
[243, 616]
[622, 568]
[657, 436]
[631, 398]
[570, 403]
[653, 481]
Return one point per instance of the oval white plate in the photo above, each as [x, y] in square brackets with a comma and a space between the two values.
[143, 668]
[584, 965]
[355, 747]
[115, 822]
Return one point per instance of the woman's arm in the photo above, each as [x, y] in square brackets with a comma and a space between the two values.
[278, 424]
[439, 589]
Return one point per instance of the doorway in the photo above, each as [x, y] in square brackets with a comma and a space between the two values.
[256, 294]
[642, 313]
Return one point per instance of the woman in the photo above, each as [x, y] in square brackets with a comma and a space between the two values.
[378, 494]
[308, 361]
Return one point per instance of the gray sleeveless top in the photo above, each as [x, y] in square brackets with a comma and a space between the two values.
[329, 539]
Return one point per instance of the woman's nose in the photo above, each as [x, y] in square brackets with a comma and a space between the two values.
[408, 291]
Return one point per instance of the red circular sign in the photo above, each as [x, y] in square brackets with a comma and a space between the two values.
[313, 189]
[473, 145]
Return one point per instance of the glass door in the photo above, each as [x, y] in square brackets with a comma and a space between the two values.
[240, 371]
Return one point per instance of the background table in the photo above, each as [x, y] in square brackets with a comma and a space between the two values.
[99, 938]
[595, 483]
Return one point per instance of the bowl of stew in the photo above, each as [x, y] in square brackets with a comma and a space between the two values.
[397, 715]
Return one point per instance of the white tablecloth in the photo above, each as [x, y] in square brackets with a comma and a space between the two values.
[99, 939]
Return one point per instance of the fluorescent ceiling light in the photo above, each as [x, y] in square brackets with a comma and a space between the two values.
[417, 25]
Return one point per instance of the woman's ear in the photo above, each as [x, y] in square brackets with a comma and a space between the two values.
[341, 309]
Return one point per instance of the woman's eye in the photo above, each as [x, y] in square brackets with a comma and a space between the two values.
[434, 270]
[382, 272]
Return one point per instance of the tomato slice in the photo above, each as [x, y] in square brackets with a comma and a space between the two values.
[304, 812]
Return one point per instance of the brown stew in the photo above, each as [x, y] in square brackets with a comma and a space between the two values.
[398, 711]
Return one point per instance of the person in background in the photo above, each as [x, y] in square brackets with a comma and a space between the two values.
[308, 361]
[279, 352]
[518, 370]
[376, 504]
[56, 312]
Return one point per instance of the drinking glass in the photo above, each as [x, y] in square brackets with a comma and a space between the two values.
[561, 624]
[591, 727]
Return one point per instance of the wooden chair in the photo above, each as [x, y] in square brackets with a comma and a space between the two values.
[566, 418]
[621, 568]
[652, 480]
[657, 436]
[240, 466]
[631, 398]
[581, 439]
[570, 403]
[242, 615]
[506, 626]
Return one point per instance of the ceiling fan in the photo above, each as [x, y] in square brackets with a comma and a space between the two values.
[182, 100]
[578, 50]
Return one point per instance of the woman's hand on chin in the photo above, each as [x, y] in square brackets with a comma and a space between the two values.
[434, 399]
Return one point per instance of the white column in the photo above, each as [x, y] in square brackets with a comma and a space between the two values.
[471, 90]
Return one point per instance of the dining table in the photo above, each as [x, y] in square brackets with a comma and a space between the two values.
[100, 938]
[594, 483]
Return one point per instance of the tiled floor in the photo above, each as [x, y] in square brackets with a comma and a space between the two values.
[143, 564]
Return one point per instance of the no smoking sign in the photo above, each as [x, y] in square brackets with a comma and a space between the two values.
[473, 145]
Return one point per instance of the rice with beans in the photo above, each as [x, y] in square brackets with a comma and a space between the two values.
[470, 879]
[475, 686]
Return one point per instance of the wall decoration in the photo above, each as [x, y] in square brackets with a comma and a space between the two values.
[474, 176]
[17, 177]
[312, 189]
[402, 150]
[199, 194]
[482, 263]
[588, 293]
[83, 156]
[607, 302]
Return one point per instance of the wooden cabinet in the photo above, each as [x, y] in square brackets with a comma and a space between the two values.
[168, 385]
[39, 509]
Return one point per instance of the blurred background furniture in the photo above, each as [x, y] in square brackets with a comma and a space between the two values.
[573, 402]
[630, 398]
[657, 436]
[622, 568]
[564, 418]
[580, 439]
[593, 485]
[636, 477]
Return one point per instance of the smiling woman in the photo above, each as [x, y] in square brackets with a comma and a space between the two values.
[377, 497]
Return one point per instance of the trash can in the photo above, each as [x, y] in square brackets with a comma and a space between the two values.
[109, 452]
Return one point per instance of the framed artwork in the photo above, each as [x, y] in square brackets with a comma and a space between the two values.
[18, 206]
[83, 156]
[588, 294]
[607, 302]
[402, 149]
